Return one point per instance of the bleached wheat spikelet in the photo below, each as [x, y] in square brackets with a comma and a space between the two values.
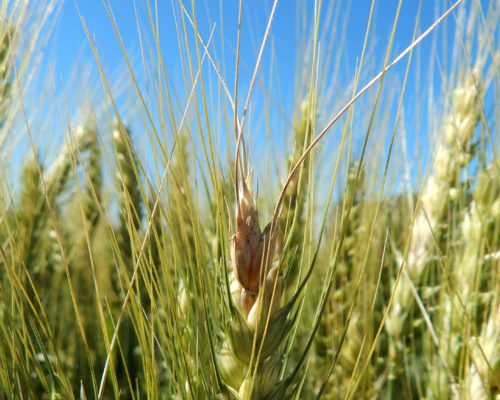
[248, 246]
[483, 379]
[442, 187]
[69, 156]
[251, 354]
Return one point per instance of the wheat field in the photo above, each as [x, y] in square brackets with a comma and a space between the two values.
[180, 230]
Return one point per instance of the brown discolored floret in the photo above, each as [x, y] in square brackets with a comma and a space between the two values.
[249, 245]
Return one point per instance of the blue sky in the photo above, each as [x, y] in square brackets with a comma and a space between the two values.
[69, 47]
[69, 40]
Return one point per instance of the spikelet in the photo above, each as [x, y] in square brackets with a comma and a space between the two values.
[291, 224]
[130, 198]
[6, 47]
[32, 217]
[247, 246]
[473, 291]
[483, 379]
[180, 214]
[131, 204]
[69, 156]
[93, 194]
[443, 186]
[333, 320]
[251, 353]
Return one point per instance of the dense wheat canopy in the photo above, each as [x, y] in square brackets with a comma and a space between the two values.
[204, 217]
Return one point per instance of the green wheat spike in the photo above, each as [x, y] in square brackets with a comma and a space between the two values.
[93, 195]
[291, 224]
[130, 198]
